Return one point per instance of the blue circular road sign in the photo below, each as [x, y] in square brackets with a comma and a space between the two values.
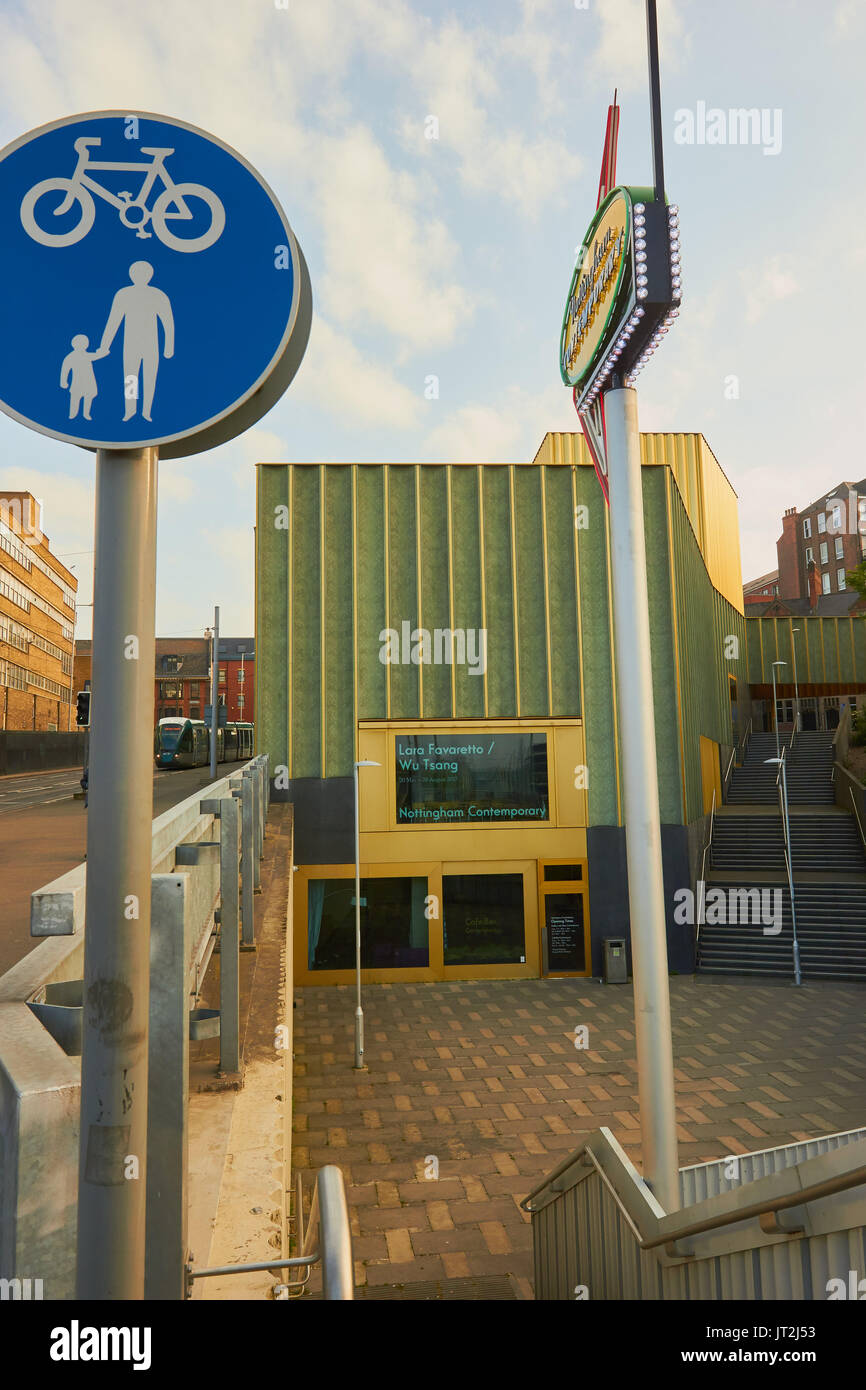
[153, 290]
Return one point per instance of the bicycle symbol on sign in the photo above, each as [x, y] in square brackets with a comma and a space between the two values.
[134, 213]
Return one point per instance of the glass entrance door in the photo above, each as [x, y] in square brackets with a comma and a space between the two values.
[564, 918]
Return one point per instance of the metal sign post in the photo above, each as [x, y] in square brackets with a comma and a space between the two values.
[623, 299]
[655, 1063]
[111, 1193]
[214, 693]
[157, 321]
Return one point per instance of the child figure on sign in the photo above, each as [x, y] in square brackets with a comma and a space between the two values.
[78, 376]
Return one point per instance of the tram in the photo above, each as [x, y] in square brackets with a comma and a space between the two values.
[182, 742]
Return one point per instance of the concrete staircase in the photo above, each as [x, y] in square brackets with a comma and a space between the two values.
[828, 866]
[809, 770]
[824, 842]
[831, 930]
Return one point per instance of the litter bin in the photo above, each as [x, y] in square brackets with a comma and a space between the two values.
[615, 971]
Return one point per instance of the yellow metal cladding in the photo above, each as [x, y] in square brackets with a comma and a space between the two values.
[709, 499]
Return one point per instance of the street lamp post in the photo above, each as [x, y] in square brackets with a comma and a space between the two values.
[796, 687]
[775, 705]
[359, 1012]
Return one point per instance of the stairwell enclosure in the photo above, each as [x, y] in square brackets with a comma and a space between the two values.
[599, 1234]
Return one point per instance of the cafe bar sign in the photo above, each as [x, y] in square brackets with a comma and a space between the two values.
[624, 293]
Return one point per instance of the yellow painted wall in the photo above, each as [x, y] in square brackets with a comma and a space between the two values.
[389, 850]
[711, 776]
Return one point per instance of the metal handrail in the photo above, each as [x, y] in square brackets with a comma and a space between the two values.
[728, 773]
[857, 814]
[744, 743]
[828, 1187]
[328, 1210]
[782, 787]
[329, 1217]
[702, 880]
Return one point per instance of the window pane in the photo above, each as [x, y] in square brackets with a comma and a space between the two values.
[560, 873]
[483, 919]
[393, 924]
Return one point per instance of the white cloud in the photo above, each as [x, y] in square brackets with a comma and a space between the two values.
[509, 431]
[768, 285]
[621, 56]
[846, 16]
[390, 260]
[338, 376]
[457, 78]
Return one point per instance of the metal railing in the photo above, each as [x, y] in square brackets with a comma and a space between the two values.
[594, 1217]
[782, 789]
[857, 816]
[727, 777]
[676, 1228]
[744, 742]
[205, 859]
[702, 881]
[329, 1219]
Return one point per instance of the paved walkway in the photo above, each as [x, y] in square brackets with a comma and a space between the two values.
[474, 1091]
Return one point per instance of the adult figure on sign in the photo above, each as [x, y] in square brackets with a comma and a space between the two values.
[140, 307]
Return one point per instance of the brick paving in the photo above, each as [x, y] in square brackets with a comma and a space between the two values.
[473, 1091]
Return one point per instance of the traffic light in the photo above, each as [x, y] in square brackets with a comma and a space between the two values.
[82, 709]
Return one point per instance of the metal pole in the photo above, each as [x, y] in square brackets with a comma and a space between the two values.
[797, 978]
[214, 693]
[640, 788]
[248, 930]
[359, 1012]
[796, 686]
[229, 936]
[652, 32]
[112, 1173]
[168, 1108]
[775, 710]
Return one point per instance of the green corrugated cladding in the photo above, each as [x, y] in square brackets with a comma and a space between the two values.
[471, 547]
[826, 650]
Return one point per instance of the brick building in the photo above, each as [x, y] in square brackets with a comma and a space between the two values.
[761, 590]
[237, 658]
[830, 535]
[182, 676]
[37, 622]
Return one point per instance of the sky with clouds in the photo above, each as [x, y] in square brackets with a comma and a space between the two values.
[451, 257]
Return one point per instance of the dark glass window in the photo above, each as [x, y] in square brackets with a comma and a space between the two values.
[394, 929]
[483, 919]
[471, 779]
[562, 873]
